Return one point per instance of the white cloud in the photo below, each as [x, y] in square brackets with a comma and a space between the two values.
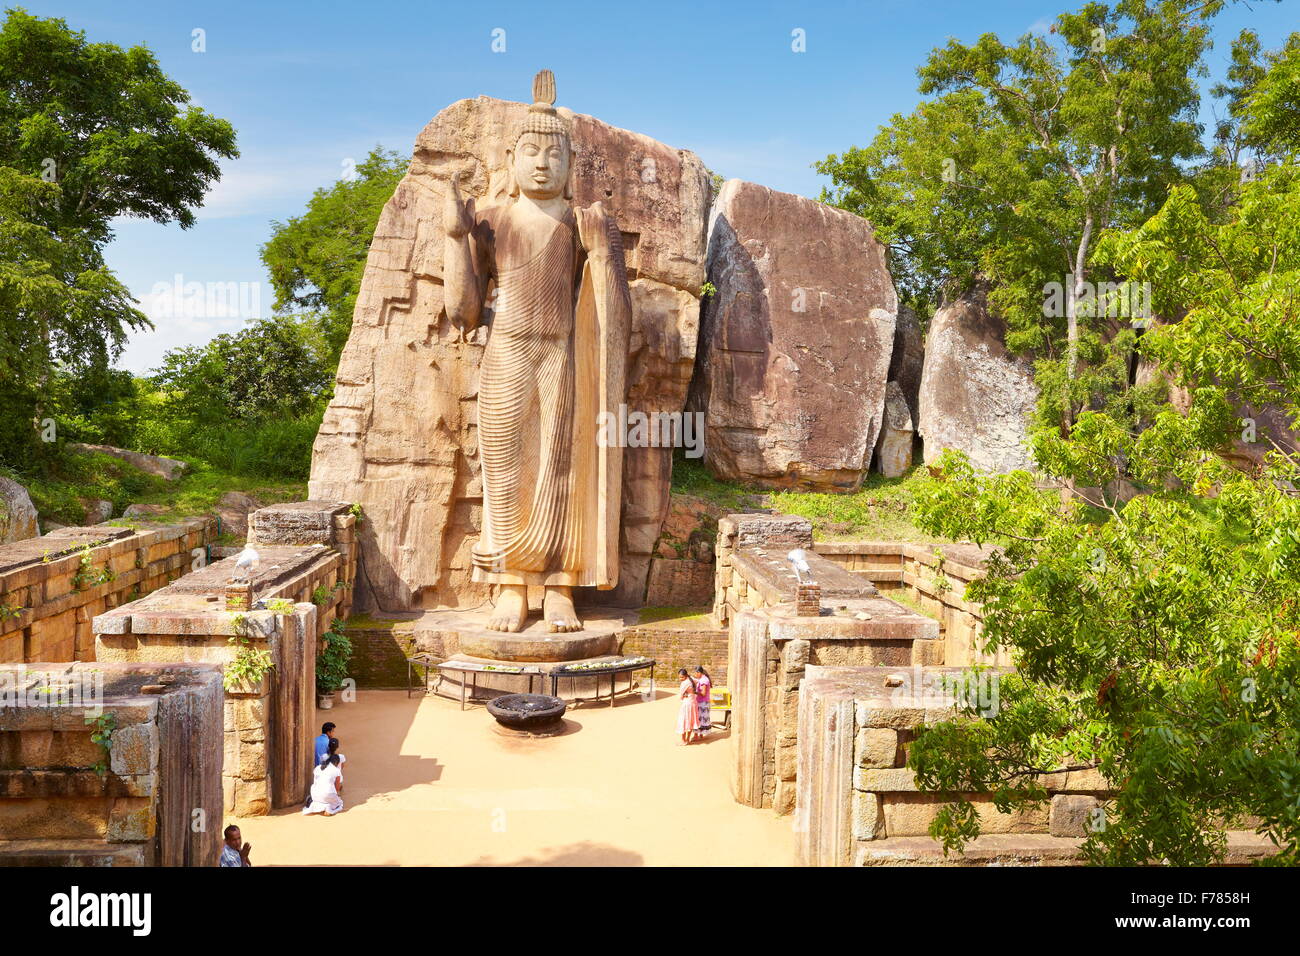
[279, 184]
[189, 313]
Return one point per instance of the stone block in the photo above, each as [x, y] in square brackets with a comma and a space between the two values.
[134, 749]
[250, 713]
[895, 779]
[867, 820]
[876, 748]
[251, 798]
[252, 761]
[131, 821]
[1070, 814]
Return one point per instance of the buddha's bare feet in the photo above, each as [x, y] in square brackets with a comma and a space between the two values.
[511, 609]
[558, 612]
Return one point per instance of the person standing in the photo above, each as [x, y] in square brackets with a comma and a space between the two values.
[232, 854]
[703, 697]
[688, 712]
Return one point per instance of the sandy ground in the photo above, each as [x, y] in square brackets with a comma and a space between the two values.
[428, 784]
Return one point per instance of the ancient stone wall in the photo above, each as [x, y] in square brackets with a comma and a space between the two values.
[761, 531]
[770, 650]
[858, 803]
[149, 796]
[52, 587]
[932, 578]
[680, 642]
[379, 651]
[298, 590]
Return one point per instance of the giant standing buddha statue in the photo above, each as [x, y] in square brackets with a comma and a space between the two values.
[549, 280]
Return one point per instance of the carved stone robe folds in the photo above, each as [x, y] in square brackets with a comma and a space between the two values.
[554, 362]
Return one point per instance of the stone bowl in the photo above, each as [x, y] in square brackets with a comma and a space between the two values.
[529, 712]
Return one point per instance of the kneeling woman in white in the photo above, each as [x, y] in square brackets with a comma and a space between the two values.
[326, 781]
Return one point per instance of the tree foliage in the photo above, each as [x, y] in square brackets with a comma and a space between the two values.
[1158, 640]
[316, 260]
[270, 369]
[1025, 154]
[89, 132]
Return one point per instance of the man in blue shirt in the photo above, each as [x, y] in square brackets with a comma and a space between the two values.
[323, 742]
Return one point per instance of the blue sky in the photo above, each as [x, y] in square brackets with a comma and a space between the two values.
[310, 86]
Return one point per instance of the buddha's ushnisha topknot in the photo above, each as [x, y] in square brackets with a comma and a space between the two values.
[542, 117]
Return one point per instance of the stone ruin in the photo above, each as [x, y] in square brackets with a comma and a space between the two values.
[152, 797]
[772, 316]
[127, 632]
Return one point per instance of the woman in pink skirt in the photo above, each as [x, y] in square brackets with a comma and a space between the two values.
[689, 711]
[703, 691]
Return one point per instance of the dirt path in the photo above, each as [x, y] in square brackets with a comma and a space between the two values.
[426, 784]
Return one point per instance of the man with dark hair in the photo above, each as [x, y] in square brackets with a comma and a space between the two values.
[323, 743]
[232, 854]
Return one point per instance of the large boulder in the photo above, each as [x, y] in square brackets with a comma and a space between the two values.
[17, 513]
[897, 434]
[97, 510]
[233, 508]
[976, 397]
[908, 362]
[795, 345]
[399, 435]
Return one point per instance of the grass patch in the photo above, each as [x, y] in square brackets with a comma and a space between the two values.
[904, 597]
[880, 509]
[58, 492]
[691, 478]
[702, 616]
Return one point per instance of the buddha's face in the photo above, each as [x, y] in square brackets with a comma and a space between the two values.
[540, 163]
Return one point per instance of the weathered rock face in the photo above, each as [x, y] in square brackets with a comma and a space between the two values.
[233, 508]
[894, 447]
[908, 361]
[975, 396]
[682, 572]
[795, 344]
[17, 513]
[1262, 427]
[399, 436]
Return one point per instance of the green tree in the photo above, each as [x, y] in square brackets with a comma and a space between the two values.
[88, 132]
[1028, 151]
[1159, 642]
[58, 301]
[267, 370]
[316, 260]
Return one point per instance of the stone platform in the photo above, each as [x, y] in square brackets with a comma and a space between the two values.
[446, 633]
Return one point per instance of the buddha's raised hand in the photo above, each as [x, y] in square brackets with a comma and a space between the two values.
[593, 229]
[456, 219]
